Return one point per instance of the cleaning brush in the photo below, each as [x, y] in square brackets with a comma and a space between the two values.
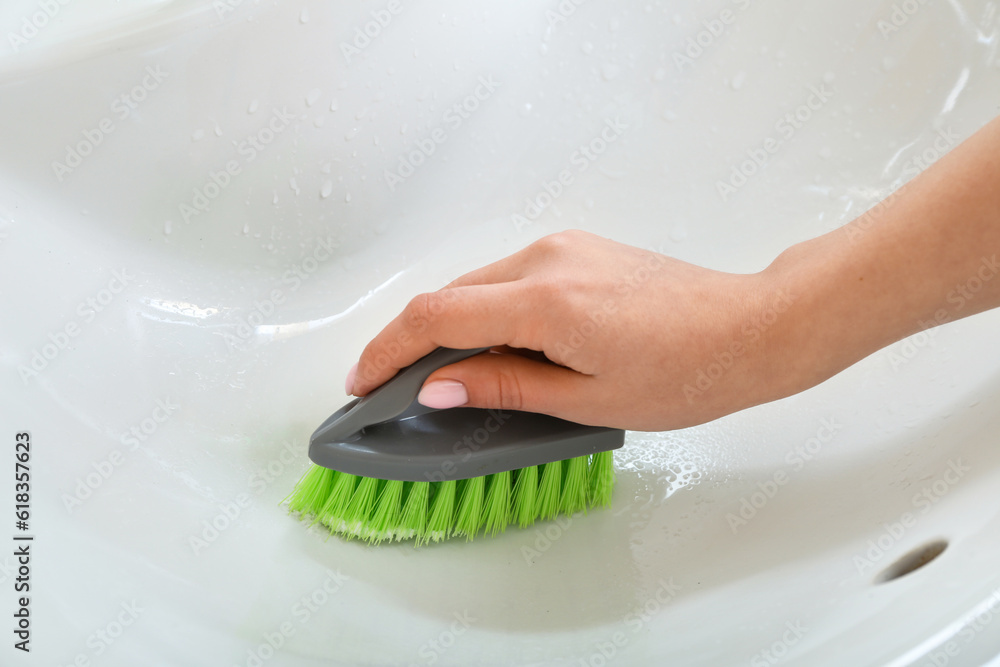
[387, 468]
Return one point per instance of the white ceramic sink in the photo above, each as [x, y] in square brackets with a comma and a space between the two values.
[206, 210]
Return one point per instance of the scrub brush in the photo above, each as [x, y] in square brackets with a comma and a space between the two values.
[387, 468]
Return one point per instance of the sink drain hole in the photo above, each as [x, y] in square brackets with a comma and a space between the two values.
[912, 561]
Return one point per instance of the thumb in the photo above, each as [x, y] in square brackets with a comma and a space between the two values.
[508, 382]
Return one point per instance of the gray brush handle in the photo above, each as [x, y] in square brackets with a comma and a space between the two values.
[392, 398]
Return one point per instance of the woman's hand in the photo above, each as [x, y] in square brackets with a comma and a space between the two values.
[593, 331]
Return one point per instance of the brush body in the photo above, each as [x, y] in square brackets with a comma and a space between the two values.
[388, 468]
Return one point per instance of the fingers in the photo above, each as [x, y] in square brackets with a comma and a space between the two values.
[459, 317]
[512, 382]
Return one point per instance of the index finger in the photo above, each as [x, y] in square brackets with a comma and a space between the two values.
[461, 317]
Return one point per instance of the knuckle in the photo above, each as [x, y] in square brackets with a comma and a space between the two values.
[566, 242]
[422, 309]
[509, 391]
[555, 242]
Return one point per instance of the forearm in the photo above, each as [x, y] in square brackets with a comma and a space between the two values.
[926, 256]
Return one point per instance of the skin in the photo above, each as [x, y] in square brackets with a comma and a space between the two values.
[602, 333]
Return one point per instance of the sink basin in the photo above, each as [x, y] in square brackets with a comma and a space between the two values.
[207, 209]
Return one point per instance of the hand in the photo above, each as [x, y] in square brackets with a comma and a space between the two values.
[593, 331]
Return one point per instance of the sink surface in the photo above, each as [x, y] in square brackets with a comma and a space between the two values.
[207, 209]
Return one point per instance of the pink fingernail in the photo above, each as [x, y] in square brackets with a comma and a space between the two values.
[349, 384]
[443, 394]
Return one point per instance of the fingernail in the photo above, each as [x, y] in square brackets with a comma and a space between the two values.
[443, 394]
[349, 384]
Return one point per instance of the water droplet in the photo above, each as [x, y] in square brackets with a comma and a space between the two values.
[609, 71]
[327, 189]
[659, 74]
[738, 80]
[333, 104]
[353, 132]
[587, 48]
[198, 135]
[246, 229]
[326, 168]
[304, 15]
[253, 107]
[347, 197]
[295, 186]
[829, 77]
[218, 131]
[167, 227]
[313, 96]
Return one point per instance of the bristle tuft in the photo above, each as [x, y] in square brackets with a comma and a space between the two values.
[384, 510]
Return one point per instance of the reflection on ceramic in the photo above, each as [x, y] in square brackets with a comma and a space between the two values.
[206, 209]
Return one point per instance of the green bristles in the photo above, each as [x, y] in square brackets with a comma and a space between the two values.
[602, 479]
[331, 513]
[360, 508]
[387, 510]
[574, 491]
[379, 510]
[525, 490]
[312, 490]
[413, 522]
[497, 510]
[470, 508]
[547, 498]
[442, 511]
